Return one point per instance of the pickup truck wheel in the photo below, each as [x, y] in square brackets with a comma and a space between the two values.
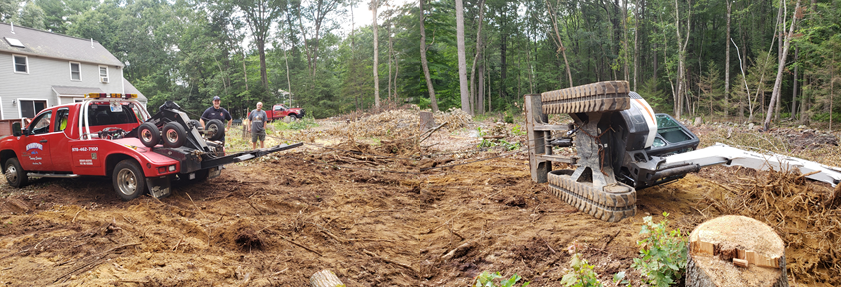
[15, 174]
[174, 135]
[293, 117]
[149, 134]
[128, 179]
[214, 130]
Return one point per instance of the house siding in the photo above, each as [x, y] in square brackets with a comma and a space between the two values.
[43, 74]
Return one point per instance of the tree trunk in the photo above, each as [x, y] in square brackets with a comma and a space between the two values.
[718, 245]
[561, 49]
[681, 73]
[433, 102]
[478, 52]
[376, 57]
[288, 81]
[636, 42]
[462, 58]
[261, 49]
[481, 100]
[625, 34]
[390, 57]
[794, 90]
[727, 65]
[804, 106]
[775, 94]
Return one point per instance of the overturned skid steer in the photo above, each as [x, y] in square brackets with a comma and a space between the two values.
[623, 146]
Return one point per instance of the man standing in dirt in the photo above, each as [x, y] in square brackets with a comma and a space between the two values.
[257, 126]
[217, 112]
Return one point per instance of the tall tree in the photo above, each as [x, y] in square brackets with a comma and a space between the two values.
[560, 43]
[775, 94]
[429, 87]
[462, 58]
[316, 15]
[260, 14]
[726, 106]
[681, 70]
[478, 52]
[373, 8]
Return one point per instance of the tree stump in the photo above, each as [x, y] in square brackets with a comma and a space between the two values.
[325, 278]
[735, 250]
[427, 121]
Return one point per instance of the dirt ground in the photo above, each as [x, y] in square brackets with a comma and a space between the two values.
[372, 213]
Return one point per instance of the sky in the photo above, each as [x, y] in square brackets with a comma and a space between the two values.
[362, 16]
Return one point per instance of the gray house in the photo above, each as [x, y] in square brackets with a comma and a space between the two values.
[40, 69]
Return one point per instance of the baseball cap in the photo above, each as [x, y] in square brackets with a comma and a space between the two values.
[216, 98]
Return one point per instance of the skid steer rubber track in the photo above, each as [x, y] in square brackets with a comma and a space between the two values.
[598, 202]
[596, 97]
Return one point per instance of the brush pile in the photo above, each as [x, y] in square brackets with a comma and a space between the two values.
[454, 117]
[391, 123]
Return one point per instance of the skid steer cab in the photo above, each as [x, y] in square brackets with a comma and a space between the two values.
[113, 135]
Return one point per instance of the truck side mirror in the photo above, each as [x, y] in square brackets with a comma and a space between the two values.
[26, 132]
[16, 129]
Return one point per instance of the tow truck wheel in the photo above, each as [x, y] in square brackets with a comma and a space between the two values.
[174, 135]
[15, 175]
[128, 179]
[215, 130]
[149, 134]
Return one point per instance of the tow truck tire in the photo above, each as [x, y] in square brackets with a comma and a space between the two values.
[149, 134]
[174, 135]
[214, 130]
[128, 179]
[15, 174]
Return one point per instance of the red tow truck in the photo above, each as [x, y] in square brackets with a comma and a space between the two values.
[280, 111]
[113, 135]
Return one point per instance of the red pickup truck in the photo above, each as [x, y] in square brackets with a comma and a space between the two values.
[113, 135]
[280, 111]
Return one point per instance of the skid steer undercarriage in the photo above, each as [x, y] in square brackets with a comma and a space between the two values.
[622, 146]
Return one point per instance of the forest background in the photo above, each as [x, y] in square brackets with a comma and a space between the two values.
[711, 58]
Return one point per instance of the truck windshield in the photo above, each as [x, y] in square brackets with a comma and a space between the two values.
[105, 114]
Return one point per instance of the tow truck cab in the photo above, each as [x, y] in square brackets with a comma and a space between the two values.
[54, 142]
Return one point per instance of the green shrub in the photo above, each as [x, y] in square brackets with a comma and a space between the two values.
[663, 255]
[509, 118]
[582, 274]
[487, 280]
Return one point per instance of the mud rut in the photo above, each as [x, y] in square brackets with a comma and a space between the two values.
[277, 221]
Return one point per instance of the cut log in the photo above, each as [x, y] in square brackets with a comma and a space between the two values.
[325, 278]
[735, 250]
[427, 121]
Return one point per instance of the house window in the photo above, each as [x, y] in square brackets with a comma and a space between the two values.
[75, 71]
[30, 108]
[21, 64]
[103, 74]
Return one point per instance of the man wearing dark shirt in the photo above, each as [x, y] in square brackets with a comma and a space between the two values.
[218, 113]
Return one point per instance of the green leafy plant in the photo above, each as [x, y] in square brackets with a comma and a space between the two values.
[582, 274]
[517, 130]
[508, 118]
[619, 278]
[487, 280]
[663, 255]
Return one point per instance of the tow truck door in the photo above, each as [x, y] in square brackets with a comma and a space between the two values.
[36, 152]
